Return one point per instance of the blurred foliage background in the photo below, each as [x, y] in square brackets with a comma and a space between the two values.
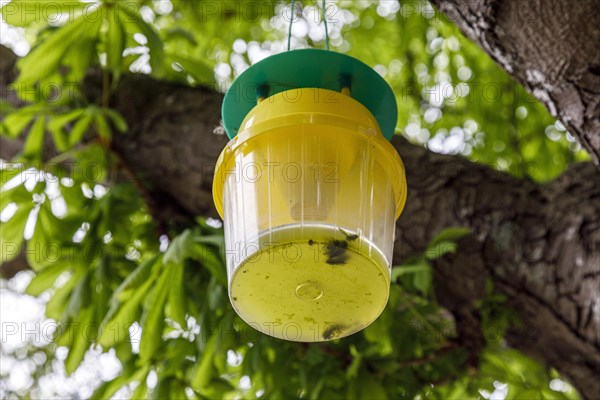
[157, 305]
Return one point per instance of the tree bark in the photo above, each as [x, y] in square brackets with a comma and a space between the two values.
[538, 243]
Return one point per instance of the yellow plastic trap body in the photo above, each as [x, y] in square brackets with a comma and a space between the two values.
[309, 191]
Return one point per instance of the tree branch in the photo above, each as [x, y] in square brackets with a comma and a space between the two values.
[551, 47]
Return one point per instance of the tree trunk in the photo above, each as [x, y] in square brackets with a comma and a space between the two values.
[538, 243]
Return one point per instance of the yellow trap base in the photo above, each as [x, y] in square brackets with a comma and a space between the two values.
[311, 284]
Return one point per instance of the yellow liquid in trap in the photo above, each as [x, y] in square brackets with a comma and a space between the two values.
[311, 284]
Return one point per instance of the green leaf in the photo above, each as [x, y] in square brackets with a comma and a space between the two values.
[82, 340]
[217, 295]
[180, 248]
[80, 129]
[26, 12]
[79, 59]
[57, 304]
[65, 334]
[217, 389]
[418, 272]
[56, 127]
[371, 389]
[422, 280]
[140, 391]
[177, 302]
[59, 121]
[522, 394]
[108, 389]
[379, 333]
[101, 126]
[126, 301]
[47, 244]
[403, 269]
[17, 194]
[80, 298]
[11, 232]
[450, 235]
[215, 240]
[123, 349]
[135, 279]
[45, 59]
[115, 328]
[155, 44]
[45, 279]
[445, 242]
[179, 33]
[167, 388]
[433, 252]
[153, 319]
[115, 45]
[10, 171]
[16, 122]
[352, 371]
[199, 70]
[205, 369]
[209, 260]
[117, 120]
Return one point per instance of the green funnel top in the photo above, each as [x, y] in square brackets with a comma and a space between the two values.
[310, 68]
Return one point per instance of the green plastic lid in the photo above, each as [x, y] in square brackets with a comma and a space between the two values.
[310, 68]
